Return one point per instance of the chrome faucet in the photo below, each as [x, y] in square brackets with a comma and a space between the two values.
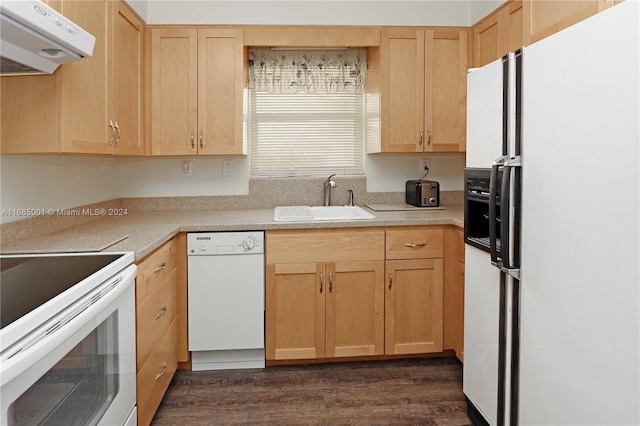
[326, 189]
[350, 198]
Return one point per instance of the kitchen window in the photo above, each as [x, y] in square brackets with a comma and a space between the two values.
[306, 112]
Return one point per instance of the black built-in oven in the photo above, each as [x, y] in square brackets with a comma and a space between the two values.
[476, 208]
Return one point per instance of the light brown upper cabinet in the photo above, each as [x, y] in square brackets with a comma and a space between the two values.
[498, 33]
[522, 22]
[417, 83]
[93, 106]
[545, 17]
[197, 82]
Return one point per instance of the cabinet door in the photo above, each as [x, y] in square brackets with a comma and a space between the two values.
[413, 306]
[220, 84]
[355, 309]
[29, 114]
[512, 15]
[402, 92]
[85, 86]
[174, 91]
[499, 33]
[295, 303]
[543, 18]
[446, 90]
[485, 41]
[126, 105]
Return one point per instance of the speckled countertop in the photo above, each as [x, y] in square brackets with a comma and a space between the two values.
[143, 231]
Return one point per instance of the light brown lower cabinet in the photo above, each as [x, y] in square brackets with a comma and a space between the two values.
[331, 294]
[413, 306]
[325, 310]
[454, 291]
[330, 302]
[414, 290]
[160, 318]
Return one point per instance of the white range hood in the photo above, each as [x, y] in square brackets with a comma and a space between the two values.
[35, 39]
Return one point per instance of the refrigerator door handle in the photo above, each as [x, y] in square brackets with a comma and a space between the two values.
[493, 219]
[505, 207]
[508, 265]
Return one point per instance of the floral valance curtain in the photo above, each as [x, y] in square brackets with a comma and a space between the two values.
[308, 71]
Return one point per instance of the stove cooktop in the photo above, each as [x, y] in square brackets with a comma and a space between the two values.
[29, 281]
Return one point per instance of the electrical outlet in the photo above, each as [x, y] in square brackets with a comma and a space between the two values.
[187, 168]
[425, 165]
[227, 168]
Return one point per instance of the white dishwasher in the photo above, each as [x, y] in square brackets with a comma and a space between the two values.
[226, 300]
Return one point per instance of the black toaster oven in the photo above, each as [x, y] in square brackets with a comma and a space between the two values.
[422, 193]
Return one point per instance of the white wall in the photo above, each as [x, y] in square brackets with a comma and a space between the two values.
[478, 9]
[162, 177]
[389, 172]
[308, 12]
[313, 12]
[55, 182]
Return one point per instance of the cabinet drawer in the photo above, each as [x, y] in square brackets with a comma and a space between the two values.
[325, 246]
[154, 269]
[154, 316]
[156, 374]
[415, 244]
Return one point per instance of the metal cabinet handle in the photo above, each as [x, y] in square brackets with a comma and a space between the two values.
[421, 136]
[390, 278]
[201, 138]
[160, 268]
[193, 139]
[330, 281]
[113, 133]
[429, 133]
[163, 372]
[415, 244]
[321, 281]
[161, 312]
[118, 136]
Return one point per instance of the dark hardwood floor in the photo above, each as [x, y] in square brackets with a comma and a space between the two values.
[425, 391]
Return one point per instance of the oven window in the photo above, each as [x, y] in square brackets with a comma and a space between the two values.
[79, 388]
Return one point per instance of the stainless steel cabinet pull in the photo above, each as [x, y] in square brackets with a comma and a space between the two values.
[330, 281]
[321, 281]
[390, 278]
[201, 138]
[118, 136]
[193, 138]
[113, 133]
[161, 312]
[163, 372]
[429, 133]
[415, 244]
[160, 268]
[421, 136]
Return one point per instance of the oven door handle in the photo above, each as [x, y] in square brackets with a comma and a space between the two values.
[27, 351]
[493, 209]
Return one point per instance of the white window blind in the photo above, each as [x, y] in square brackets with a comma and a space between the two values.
[306, 134]
[306, 126]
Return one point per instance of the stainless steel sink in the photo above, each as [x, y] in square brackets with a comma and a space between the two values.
[317, 213]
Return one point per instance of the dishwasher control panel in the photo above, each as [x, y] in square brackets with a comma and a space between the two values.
[225, 243]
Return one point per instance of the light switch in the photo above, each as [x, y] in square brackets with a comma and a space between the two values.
[227, 168]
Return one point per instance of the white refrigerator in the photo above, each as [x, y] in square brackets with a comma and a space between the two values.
[552, 324]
